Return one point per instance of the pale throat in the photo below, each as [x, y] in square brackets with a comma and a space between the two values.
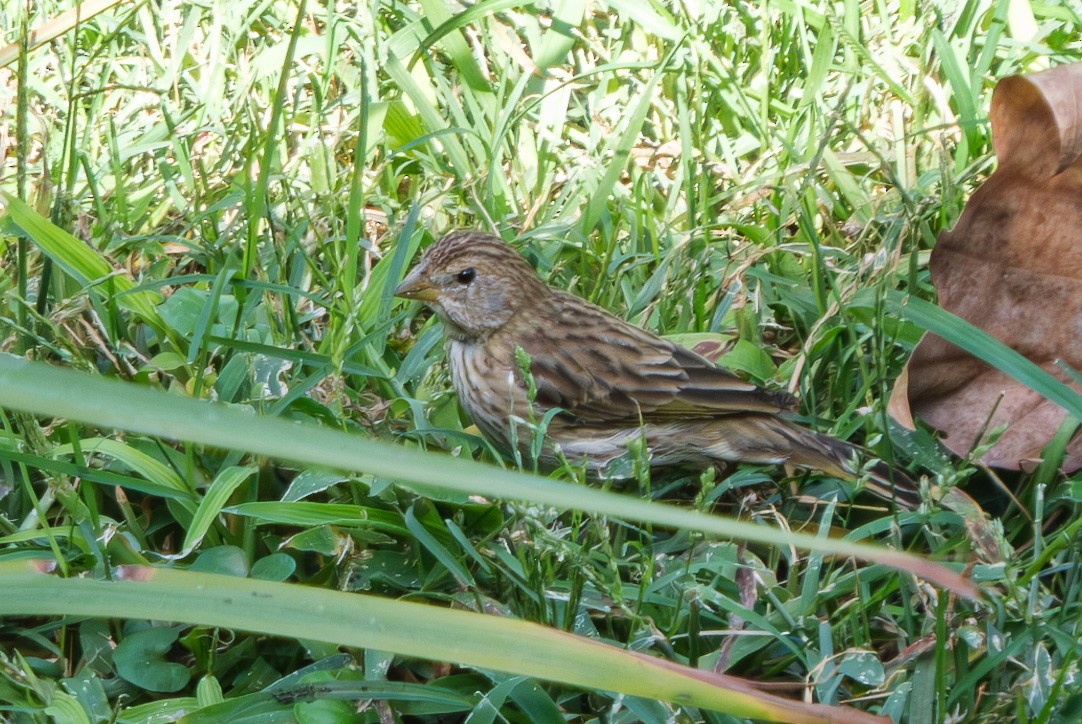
[476, 333]
[453, 332]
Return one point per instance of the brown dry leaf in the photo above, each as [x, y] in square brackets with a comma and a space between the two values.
[1013, 267]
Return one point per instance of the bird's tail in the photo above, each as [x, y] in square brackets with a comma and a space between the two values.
[811, 449]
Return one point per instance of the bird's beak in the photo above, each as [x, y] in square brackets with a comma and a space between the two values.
[415, 286]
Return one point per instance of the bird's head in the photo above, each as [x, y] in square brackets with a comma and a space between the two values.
[475, 283]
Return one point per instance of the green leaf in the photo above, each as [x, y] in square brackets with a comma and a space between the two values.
[863, 667]
[558, 39]
[302, 513]
[140, 659]
[473, 12]
[434, 122]
[436, 12]
[620, 148]
[311, 481]
[750, 358]
[963, 95]
[648, 16]
[275, 567]
[58, 26]
[437, 549]
[66, 708]
[225, 560]
[87, 688]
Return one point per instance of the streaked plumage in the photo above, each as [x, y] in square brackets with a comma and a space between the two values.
[614, 382]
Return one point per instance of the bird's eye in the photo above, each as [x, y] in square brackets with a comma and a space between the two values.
[466, 276]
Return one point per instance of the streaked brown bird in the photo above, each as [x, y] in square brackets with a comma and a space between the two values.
[614, 383]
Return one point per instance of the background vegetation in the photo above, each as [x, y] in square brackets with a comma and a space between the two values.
[752, 176]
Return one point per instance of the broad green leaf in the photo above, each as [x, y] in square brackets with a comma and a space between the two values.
[139, 658]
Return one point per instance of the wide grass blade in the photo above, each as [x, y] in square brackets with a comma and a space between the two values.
[44, 390]
[407, 628]
[83, 263]
[218, 493]
[985, 347]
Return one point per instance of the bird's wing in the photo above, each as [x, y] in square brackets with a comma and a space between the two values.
[605, 369]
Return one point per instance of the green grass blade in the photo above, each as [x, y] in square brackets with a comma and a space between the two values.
[155, 471]
[963, 92]
[558, 41]
[406, 628]
[310, 514]
[621, 146]
[81, 262]
[44, 390]
[649, 16]
[226, 482]
[436, 12]
[56, 27]
[422, 98]
[985, 347]
[257, 202]
[437, 549]
[395, 268]
[208, 314]
[467, 16]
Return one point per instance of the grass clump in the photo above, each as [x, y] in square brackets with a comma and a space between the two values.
[217, 200]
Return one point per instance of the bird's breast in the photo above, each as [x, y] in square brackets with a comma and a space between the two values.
[488, 388]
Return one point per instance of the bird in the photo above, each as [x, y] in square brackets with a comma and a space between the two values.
[605, 386]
